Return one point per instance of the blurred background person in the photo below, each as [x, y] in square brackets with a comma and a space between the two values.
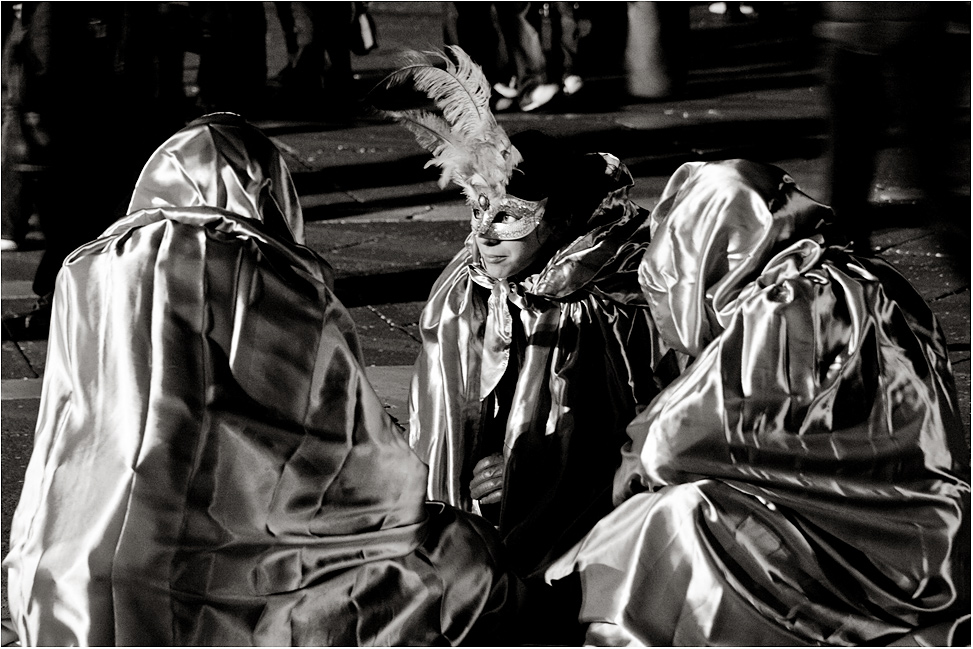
[539, 54]
[655, 55]
[232, 49]
[15, 164]
[529, 85]
[890, 81]
[474, 27]
[528, 50]
[87, 67]
[560, 29]
[318, 78]
[503, 37]
[601, 30]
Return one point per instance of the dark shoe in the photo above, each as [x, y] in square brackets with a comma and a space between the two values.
[33, 325]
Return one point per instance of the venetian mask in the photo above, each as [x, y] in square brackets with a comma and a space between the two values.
[511, 218]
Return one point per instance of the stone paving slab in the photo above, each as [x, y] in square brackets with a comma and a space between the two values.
[27, 357]
[455, 210]
[391, 383]
[915, 255]
[801, 103]
[366, 248]
[17, 431]
[961, 374]
[383, 339]
[370, 143]
[16, 268]
[18, 290]
[335, 167]
[953, 313]
[15, 365]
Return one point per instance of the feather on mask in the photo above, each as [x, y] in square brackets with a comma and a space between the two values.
[467, 143]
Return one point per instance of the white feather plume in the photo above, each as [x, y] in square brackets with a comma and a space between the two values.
[467, 143]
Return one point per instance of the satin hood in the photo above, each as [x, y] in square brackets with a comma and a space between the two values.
[714, 229]
[221, 161]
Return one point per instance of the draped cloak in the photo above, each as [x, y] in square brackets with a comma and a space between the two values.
[549, 369]
[211, 465]
[806, 479]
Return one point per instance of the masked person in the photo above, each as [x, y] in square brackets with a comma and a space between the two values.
[211, 465]
[528, 373]
[806, 479]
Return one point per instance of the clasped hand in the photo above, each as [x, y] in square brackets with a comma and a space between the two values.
[487, 483]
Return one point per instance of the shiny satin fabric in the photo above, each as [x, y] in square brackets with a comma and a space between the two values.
[217, 164]
[211, 466]
[806, 479]
[568, 341]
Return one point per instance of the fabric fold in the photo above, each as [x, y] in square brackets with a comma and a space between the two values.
[211, 464]
[546, 369]
[806, 479]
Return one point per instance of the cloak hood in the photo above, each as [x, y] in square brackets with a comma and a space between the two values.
[716, 226]
[221, 161]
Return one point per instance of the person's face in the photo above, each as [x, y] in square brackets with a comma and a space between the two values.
[503, 259]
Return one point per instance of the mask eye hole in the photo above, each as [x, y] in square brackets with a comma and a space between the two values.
[504, 217]
[476, 212]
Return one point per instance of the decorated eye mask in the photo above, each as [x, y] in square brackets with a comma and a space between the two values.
[513, 218]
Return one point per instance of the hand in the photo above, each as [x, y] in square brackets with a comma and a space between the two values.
[487, 483]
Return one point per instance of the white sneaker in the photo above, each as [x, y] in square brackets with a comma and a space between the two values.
[502, 104]
[572, 84]
[508, 90]
[539, 96]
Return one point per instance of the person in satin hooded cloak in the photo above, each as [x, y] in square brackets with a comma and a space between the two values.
[211, 465]
[806, 479]
[526, 381]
